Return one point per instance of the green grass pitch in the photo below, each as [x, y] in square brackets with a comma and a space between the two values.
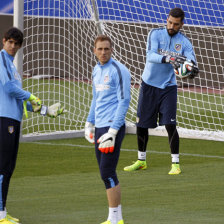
[59, 182]
[195, 110]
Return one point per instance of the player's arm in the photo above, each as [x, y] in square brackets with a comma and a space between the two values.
[31, 102]
[152, 51]
[152, 48]
[188, 52]
[124, 97]
[13, 90]
[107, 141]
[12, 87]
[90, 123]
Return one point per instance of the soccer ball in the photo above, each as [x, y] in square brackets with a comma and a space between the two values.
[184, 70]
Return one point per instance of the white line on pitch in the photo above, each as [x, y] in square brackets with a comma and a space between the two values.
[127, 150]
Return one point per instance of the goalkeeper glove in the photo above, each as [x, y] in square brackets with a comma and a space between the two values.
[186, 70]
[107, 141]
[89, 132]
[172, 60]
[55, 110]
[35, 103]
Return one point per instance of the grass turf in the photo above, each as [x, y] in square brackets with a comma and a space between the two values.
[59, 182]
[195, 110]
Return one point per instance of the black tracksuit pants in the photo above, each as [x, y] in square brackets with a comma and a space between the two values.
[9, 144]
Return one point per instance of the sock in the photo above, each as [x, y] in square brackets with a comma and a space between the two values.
[2, 214]
[119, 213]
[175, 158]
[173, 138]
[113, 215]
[141, 155]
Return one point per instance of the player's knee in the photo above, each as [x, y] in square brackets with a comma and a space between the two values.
[110, 180]
[172, 133]
[171, 128]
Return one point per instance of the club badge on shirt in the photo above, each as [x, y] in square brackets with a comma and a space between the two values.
[10, 129]
[106, 78]
[178, 47]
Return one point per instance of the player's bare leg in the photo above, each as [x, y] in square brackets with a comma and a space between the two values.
[114, 202]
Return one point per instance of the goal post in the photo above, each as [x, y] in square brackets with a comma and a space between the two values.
[58, 60]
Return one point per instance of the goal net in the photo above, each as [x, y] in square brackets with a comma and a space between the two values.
[58, 60]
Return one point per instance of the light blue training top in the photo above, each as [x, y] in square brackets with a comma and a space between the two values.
[111, 95]
[160, 44]
[11, 92]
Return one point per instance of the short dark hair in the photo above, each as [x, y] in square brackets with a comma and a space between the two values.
[102, 38]
[177, 13]
[14, 33]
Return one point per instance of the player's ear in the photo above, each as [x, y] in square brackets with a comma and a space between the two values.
[182, 23]
[3, 41]
[167, 18]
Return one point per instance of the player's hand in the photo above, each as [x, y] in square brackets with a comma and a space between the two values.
[107, 141]
[194, 72]
[55, 110]
[89, 132]
[173, 61]
[35, 102]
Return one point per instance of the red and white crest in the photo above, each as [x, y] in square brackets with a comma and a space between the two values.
[10, 129]
[178, 47]
[106, 78]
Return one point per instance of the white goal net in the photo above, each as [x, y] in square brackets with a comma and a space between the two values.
[58, 59]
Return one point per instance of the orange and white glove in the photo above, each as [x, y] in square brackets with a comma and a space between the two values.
[90, 132]
[107, 141]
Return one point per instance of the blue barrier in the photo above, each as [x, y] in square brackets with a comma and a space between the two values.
[206, 12]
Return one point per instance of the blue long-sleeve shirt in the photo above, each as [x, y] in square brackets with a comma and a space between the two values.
[11, 92]
[111, 95]
[160, 44]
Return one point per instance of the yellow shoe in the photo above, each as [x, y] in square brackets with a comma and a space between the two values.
[175, 169]
[12, 219]
[6, 221]
[138, 165]
[107, 222]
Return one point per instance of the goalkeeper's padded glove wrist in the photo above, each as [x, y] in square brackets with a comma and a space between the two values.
[32, 97]
[90, 132]
[43, 110]
[113, 131]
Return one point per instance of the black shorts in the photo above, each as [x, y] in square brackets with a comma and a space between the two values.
[156, 105]
[108, 161]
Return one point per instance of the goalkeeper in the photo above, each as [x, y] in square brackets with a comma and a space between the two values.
[167, 49]
[13, 97]
[106, 121]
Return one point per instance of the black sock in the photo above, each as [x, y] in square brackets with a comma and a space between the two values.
[173, 138]
[142, 136]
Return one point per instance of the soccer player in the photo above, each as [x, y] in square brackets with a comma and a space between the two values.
[158, 92]
[105, 124]
[11, 111]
